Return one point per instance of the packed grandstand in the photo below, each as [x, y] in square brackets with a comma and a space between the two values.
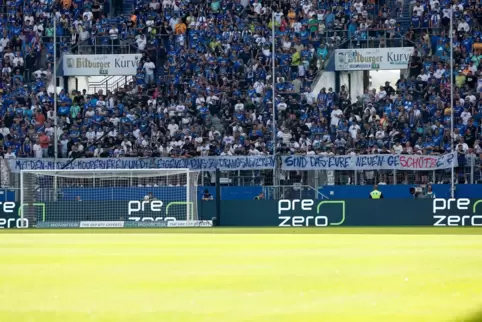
[204, 84]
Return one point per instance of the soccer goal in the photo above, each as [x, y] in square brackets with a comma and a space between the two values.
[109, 198]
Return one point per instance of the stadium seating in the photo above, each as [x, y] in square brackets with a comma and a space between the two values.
[206, 75]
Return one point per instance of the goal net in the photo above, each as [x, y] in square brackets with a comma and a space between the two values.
[109, 198]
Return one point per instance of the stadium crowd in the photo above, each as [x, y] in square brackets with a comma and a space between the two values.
[203, 86]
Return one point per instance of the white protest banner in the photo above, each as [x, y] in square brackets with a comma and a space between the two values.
[100, 65]
[373, 58]
[370, 162]
[200, 163]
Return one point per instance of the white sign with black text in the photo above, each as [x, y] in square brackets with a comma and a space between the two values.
[101, 65]
[373, 58]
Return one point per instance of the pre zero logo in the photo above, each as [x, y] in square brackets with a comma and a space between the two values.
[8, 218]
[14, 223]
[461, 212]
[144, 207]
[140, 206]
[307, 205]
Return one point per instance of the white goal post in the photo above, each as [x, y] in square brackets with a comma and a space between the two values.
[148, 197]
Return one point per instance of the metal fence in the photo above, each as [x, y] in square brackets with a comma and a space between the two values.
[294, 191]
[105, 46]
[109, 84]
[470, 172]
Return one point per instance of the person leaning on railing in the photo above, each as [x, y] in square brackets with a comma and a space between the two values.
[376, 194]
[429, 193]
[260, 196]
[207, 195]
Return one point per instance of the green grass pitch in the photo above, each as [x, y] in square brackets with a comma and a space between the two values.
[258, 275]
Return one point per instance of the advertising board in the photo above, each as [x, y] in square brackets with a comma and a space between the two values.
[457, 212]
[286, 207]
[436, 212]
[372, 58]
[118, 214]
[349, 212]
[9, 216]
[101, 65]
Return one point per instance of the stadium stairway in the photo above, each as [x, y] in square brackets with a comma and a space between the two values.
[128, 7]
[328, 66]
[158, 72]
[405, 17]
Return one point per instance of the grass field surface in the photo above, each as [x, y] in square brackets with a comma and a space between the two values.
[241, 275]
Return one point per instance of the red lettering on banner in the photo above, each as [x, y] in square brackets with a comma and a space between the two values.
[418, 162]
[432, 163]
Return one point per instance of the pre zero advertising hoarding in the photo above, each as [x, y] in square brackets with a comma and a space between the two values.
[9, 216]
[372, 58]
[437, 212]
[101, 65]
[119, 214]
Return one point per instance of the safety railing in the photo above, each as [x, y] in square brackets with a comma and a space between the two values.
[303, 181]
[467, 173]
[106, 46]
[375, 38]
[109, 84]
[292, 191]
